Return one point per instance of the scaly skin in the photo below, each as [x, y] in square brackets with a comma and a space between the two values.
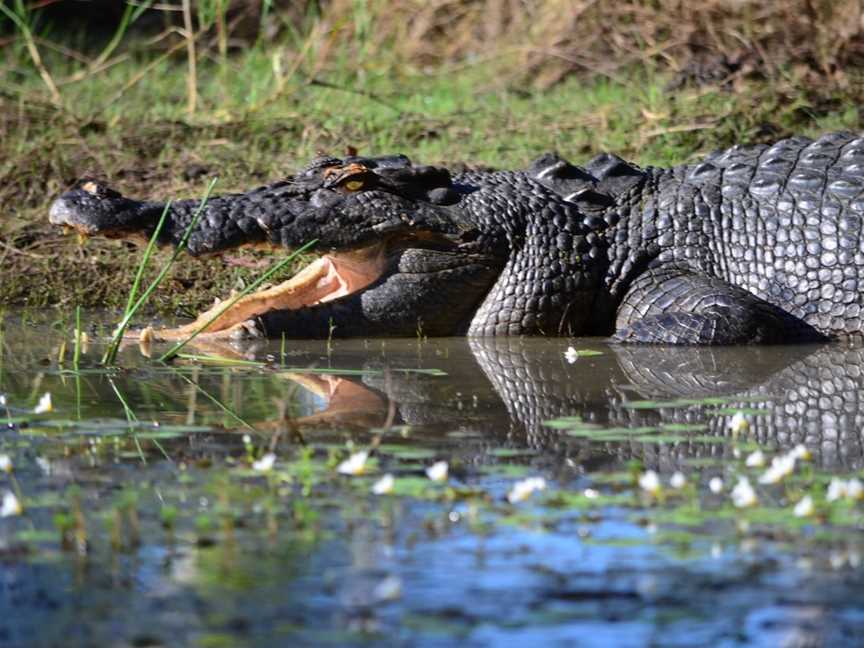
[753, 244]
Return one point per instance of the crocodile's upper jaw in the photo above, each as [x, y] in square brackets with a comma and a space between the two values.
[93, 208]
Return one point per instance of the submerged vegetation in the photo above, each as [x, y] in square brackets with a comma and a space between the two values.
[160, 101]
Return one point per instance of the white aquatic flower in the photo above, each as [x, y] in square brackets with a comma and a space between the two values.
[854, 489]
[44, 404]
[837, 489]
[649, 482]
[715, 485]
[438, 471]
[571, 355]
[523, 489]
[354, 465]
[384, 486]
[11, 505]
[390, 589]
[837, 559]
[804, 508]
[590, 493]
[739, 423]
[45, 465]
[743, 494]
[5, 463]
[265, 463]
[781, 467]
[678, 480]
[755, 459]
[841, 489]
[801, 453]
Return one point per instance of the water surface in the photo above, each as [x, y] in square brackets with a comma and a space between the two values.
[145, 522]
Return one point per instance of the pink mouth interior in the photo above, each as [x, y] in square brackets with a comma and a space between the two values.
[328, 278]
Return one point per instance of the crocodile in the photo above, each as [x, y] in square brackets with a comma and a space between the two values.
[752, 244]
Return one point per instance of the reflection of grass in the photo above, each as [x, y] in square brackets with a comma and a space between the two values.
[222, 406]
[132, 419]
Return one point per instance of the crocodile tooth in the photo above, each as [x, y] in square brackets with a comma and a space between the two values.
[145, 341]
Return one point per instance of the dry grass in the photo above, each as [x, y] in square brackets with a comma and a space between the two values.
[549, 39]
[544, 40]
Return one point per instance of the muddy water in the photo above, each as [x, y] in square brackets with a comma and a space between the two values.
[150, 519]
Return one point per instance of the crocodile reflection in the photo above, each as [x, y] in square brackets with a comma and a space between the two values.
[506, 389]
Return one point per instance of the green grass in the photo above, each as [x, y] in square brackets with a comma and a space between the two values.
[264, 112]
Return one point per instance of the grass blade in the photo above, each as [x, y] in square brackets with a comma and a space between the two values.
[227, 410]
[19, 19]
[130, 15]
[77, 354]
[131, 419]
[146, 259]
[111, 352]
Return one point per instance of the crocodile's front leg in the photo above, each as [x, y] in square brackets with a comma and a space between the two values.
[672, 305]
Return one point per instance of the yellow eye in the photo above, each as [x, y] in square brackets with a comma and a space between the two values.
[354, 185]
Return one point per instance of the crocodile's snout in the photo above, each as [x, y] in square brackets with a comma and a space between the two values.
[69, 211]
[90, 207]
[62, 213]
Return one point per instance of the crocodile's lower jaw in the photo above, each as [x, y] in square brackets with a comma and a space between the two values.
[330, 277]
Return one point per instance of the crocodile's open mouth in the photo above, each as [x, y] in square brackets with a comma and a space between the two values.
[330, 277]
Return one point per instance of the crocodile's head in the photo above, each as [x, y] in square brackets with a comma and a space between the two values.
[296, 208]
[91, 207]
[407, 249]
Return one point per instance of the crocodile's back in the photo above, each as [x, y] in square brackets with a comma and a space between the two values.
[781, 221]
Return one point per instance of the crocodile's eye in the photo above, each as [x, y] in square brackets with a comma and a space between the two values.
[353, 185]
